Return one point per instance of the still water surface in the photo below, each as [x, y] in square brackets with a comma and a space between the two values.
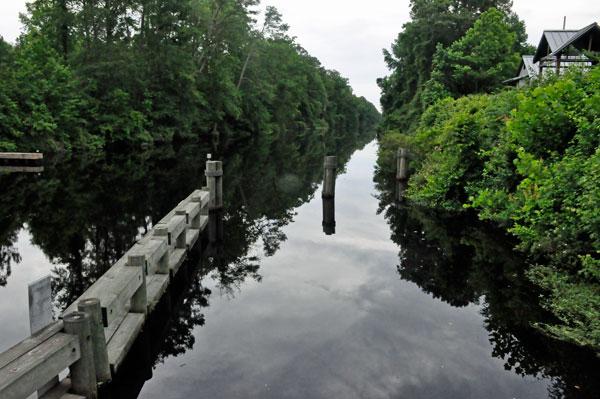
[398, 303]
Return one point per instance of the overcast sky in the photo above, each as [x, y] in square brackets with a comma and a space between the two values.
[348, 35]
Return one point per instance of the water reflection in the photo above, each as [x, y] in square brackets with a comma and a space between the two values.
[329, 216]
[87, 209]
[462, 261]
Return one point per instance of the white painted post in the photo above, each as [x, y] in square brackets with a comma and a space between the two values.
[40, 304]
[40, 315]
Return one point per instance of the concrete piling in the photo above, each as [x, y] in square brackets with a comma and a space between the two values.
[329, 176]
[83, 372]
[93, 309]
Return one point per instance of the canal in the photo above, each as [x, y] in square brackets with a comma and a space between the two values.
[390, 302]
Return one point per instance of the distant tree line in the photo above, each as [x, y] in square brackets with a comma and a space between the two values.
[93, 73]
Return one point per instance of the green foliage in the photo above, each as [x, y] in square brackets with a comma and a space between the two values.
[440, 23]
[134, 72]
[477, 63]
[530, 160]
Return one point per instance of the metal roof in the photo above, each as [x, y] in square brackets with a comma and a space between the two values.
[532, 68]
[551, 40]
[592, 29]
[557, 38]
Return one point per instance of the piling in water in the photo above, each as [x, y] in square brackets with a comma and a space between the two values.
[214, 181]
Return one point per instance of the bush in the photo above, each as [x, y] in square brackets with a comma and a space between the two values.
[530, 160]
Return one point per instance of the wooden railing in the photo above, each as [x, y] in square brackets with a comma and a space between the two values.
[95, 333]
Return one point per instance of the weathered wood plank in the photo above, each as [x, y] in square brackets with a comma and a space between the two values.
[196, 193]
[202, 197]
[192, 237]
[173, 228]
[203, 222]
[22, 169]
[189, 209]
[61, 391]
[112, 327]
[152, 250]
[156, 287]
[125, 336]
[29, 343]
[22, 155]
[114, 289]
[176, 260]
[58, 390]
[26, 374]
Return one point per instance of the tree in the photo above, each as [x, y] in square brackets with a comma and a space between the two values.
[477, 63]
[411, 57]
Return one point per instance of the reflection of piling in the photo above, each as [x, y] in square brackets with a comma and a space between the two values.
[402, 168]
[401, 187]
[214, 179]
[330, 166]
[329, 216]
[215, 227]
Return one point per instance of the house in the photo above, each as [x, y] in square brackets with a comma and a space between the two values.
[557, 50]
[528, 70]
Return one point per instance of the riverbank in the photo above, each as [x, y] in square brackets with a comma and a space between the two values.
[526, 160]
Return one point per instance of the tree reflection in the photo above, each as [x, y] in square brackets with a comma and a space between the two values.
[462, 261]
[87, 209]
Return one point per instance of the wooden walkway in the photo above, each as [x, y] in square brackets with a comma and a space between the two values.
[21, 156]
[94, 335]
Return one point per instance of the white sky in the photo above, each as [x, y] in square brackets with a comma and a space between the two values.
[349, 35]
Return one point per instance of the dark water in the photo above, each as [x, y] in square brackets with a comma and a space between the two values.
[398, 303]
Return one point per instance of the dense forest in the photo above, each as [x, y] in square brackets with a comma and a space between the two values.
[92, 74]
[523, 159]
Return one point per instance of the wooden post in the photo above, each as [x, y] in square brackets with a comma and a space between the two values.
[330, 166]
[83, 373]
[181, 242]
[214, 180]
[139, 300]
[402, 169]
[92, 308]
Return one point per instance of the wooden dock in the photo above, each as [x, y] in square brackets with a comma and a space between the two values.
[22, 156]
[94, 335]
